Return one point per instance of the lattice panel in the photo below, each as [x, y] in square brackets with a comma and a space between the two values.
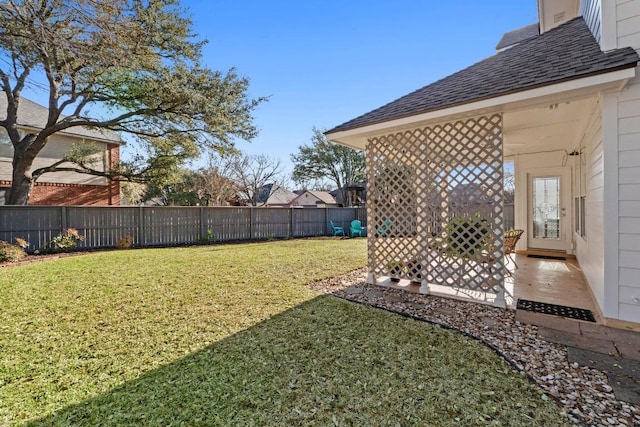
[435, 204]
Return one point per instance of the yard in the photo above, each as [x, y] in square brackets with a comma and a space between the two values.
[230, 335]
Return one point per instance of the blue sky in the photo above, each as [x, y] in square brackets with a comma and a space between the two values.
[326, 62]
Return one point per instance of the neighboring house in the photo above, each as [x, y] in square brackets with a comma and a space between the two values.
[312, 198]
[274, 195]
[61, 188]
[562, 103]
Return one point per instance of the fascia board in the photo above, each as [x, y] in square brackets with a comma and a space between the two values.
[354, 138]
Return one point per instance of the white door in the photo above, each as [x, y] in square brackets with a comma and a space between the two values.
[548, 207]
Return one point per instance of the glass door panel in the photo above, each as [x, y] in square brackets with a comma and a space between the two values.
[546, 207]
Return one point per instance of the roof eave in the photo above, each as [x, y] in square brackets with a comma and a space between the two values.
[106, 140]
[356, 137]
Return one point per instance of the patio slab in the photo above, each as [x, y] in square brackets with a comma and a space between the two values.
[614, 351]
[547, 321]
[623, 374]
[578, 341]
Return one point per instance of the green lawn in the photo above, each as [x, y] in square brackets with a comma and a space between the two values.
[229, 335]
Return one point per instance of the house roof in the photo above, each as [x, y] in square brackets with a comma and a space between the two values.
[33, 115]
[567, 52]
[324, 196]
[273, 194]
[518, 36]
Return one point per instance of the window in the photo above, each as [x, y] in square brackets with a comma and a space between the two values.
[4, 195]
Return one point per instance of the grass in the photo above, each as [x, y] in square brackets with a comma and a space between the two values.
[229, 335]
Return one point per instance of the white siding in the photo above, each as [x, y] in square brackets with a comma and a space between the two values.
[52, 152]
[627, 13]
[591, 13]
[590, 250]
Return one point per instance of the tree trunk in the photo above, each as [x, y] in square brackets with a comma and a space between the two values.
[21, 181]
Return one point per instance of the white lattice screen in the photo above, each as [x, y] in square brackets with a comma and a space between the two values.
[435, 204]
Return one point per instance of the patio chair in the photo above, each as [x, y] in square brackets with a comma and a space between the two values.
[356, 228]
[337, 231]
[511, 238]
[385, 229]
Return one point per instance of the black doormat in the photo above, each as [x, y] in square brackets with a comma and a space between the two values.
[556, 310]
[559, 257]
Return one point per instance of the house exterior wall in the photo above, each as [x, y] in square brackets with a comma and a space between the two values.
[590, 248]
[65, 188]
[591, 11]
[628, 34]
[55, 149]
[621, 134]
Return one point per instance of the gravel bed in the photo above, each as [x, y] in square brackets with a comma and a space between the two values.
[584, 392]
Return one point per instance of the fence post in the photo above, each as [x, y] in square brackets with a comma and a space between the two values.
[251, 220]
[203, 224]
[290, 223]
[141, 233]
[63, 217]
[325, 227]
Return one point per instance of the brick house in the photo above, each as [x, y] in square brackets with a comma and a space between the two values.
[61, 188]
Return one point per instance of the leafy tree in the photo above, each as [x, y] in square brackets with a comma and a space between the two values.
[322, 159]
[130, 66]
[181, 190]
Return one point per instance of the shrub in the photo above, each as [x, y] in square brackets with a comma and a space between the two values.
[65, 241]
[466, 236]
[13, 252]
[207, 239]
[125, 242]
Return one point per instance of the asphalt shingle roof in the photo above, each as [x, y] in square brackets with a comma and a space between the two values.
[567, 52]
[518, 36]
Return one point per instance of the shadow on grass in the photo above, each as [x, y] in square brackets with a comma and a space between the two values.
[325, 362]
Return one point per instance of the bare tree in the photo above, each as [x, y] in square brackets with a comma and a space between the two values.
[217, 182]
[252, 172]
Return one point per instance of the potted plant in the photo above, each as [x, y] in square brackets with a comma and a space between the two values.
[414, 267]
[395, 270]
[466, 236]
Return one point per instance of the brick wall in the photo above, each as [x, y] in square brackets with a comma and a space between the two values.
[48, 193]
[71, 194]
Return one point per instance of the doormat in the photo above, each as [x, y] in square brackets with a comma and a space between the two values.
[556, 310]
[558, 257]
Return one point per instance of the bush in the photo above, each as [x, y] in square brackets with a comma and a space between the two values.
[65, 241]
[13, 252]
[125, 242]
[206, 239]
[467, 236]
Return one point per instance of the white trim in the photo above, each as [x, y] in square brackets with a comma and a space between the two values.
[608, 26]
[65, 132]
[610, 171]
[354, 137]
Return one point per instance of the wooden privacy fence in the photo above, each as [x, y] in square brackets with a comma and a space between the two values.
[103, 226]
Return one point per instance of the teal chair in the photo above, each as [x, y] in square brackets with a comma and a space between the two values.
[337, 231]
[356, 228]
[385, 229]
